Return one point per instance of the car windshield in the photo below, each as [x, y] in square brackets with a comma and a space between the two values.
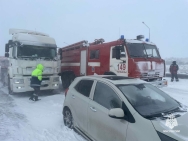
[147, 99]
[142, 50]
[36, 52]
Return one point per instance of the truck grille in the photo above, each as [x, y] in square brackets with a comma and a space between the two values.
[147, 75]
[45, 78]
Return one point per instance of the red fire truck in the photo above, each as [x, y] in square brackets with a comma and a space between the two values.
[132, 58]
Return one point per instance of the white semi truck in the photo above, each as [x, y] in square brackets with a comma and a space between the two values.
[25, 51]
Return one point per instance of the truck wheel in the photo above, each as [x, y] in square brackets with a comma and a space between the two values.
[71, 79]
[9, 88]
[65, 81]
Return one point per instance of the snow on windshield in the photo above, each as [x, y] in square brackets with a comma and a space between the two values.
[142, 50]
[147, 99]
[36, 51]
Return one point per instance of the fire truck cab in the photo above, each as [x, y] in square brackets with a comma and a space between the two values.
[132, 58]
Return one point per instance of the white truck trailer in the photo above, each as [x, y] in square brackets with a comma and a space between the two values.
[25, 51]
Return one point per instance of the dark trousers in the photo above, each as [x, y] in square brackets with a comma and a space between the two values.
[35, 93]
[174, 75]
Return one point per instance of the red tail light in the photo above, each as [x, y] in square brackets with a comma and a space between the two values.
[66, 91]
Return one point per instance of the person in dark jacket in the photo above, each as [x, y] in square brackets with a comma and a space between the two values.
[174, 70]
[36, 79]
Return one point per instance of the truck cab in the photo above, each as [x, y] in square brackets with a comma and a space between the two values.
[138, 59]
[25, 51]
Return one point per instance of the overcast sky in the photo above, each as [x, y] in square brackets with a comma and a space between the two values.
[70, 21]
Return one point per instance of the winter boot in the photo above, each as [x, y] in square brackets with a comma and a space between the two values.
[32, 98]
[177, 80]
[172, 80]
[36, 98]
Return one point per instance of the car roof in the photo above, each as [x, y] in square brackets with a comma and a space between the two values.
[115, 79]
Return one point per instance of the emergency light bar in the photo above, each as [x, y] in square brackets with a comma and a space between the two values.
[139, 37]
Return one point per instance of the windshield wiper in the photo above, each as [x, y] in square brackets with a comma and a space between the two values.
[28, 57]
[154, 116]
[135, 56]
[47, 58]
[151, 56]
[164, 114]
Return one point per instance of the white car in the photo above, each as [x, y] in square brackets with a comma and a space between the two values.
[116, 108]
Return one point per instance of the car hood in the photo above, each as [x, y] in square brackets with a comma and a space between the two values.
[179, 132]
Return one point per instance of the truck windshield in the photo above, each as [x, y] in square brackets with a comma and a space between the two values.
[29, 51]
[142, 50]
[147, 99]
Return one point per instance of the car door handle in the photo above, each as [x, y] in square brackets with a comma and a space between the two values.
[93, 109]
[73, 96]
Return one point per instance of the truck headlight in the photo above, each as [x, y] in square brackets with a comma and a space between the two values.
[18, 81]
[56, 79]
[164, 137]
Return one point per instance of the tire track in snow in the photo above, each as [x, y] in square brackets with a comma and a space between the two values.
[15, 125]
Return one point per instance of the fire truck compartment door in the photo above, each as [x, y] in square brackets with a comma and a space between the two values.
[83, 63]
[119, 66]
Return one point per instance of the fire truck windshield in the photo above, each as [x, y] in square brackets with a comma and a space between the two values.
[29, 51]
[142, 50]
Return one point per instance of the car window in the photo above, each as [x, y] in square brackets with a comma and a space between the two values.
[122, 49]
[94, 54]
[106, 97]
[84, 87]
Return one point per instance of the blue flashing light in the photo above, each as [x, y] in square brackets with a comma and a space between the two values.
[147, 40]
[122, 37]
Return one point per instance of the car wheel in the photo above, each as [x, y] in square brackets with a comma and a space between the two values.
[67, 118]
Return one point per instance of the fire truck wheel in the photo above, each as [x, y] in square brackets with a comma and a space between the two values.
[9, 88]
[72, 77]
[65, 81]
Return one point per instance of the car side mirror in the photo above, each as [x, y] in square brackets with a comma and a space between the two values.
[7, 48]
[116, 113]
[60, 54]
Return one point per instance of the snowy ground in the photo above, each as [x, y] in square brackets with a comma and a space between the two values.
[22, 120]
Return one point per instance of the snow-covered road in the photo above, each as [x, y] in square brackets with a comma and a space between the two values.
[23, 120]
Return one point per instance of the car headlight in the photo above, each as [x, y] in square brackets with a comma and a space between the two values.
[164, 137]
[18, 81]
[56, 79]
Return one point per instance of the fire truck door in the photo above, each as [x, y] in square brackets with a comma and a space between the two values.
[83, 63]
[119, 66]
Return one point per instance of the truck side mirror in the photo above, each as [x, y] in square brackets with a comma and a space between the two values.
[7, 48]
[118, 53]
[7, 54]
[60, 54]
